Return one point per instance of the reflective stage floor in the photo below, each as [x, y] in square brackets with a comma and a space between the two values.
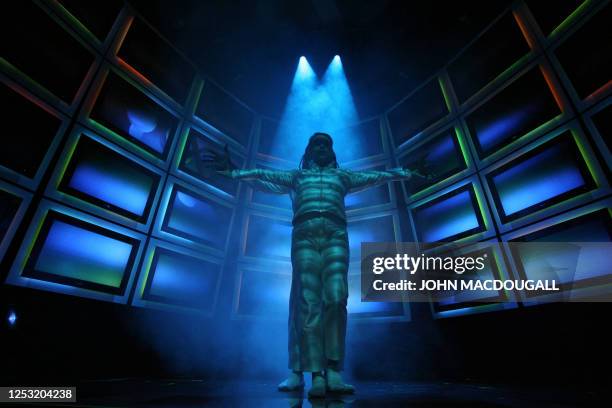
[179, 393]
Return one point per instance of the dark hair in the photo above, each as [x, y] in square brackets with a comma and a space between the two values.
[306, 159]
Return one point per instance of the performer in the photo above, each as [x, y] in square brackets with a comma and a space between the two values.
[319, 256]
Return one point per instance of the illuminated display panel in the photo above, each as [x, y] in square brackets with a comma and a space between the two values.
[584, 55]
[441, 156]
[265, 293]
[76, 253]
[492, 53]
[357, 308]
[449, 217]
[9, 205]
[225, 113]
[191, 162]
[47, 54]
[422, 109]
[565, 261]
[31, 130]
[461, 299]
[101, 176]
[377, 229]
[368, 197]
[271, 199]
[521, 107]
[197, 218]
[131, 114]
[549, 16]
[268, 237]
[603, 122]
[98, 17]
[154, 58]
[365, 140]
[549, 174]
[179, 279]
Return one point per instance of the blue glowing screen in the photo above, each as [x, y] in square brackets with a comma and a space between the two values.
[70, 251]
[182, 279]
[447, 217]
[378, 229]
[559, 254]
[196, 218]
[538, 178]
[131, 114]
[521, 107]
[102, 176]
[355, 306]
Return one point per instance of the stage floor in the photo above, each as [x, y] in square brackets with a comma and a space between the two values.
[178, 393]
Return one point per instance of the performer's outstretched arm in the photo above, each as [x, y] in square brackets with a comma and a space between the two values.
[272, 181]
[282, 178]
[360, 180]
[268, 187]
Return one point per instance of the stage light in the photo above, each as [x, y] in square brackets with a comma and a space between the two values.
[12, 318]
[317, 106]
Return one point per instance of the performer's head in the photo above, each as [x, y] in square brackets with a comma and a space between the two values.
[319, 151]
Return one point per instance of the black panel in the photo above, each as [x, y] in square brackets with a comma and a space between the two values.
[97, 16]
[130, 113]
[28, 132]
[191, 162]
[9, 204]
[441, 156]
[521, 107]
[497, 49]
[586, 56]
[225, 113]
[40, 48]
[267, 136]
[603, 123]
[550, 14]
[153, 57]
[416, 113]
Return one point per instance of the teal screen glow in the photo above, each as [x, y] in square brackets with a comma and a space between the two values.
[182, 279]
[448, 217]
[70, 251]
[194, 217]
[533, 180]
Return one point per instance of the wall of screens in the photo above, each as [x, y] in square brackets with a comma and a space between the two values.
[515, 131]
[109, 125]
[525, 141]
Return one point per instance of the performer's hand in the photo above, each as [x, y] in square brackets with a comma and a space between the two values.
[220, 162]
[422, 170]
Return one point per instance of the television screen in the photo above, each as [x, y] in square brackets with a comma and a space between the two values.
[548, 174]
[29, 131]
[101, 176]
[134, 116]
[77, 253]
